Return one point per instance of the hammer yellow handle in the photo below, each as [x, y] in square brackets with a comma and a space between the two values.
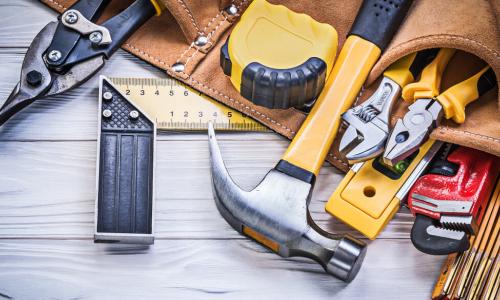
[312, 142]
[430, 79]
[455, 99]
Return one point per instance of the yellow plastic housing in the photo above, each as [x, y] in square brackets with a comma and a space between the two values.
[367, 200]
[279, 38]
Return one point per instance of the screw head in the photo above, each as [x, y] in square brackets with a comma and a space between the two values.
[71, 17]
[178, 67]
[95, 37]
[201, 41]
[54, 55]
[34, 78]
[107, 113]
[134, 114]
[232, 10]
[107, 96]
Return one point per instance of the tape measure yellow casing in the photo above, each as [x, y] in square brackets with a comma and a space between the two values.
[278, 58]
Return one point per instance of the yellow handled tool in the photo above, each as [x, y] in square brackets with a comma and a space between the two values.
[425, 114]
[430, 80]
[278, 58]
[275, 213]
[371, 193]
[370, 34]
[369, 122]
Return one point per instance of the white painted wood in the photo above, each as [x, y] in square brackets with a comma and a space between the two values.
[51, 192]
[197, 269]
[47, 170]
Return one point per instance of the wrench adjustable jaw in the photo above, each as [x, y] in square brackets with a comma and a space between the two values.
[368, 128]
[413, 130]
[275, 214]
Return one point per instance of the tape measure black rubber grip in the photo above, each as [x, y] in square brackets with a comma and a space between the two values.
[279, 88]
[278, 58]
[378, 20]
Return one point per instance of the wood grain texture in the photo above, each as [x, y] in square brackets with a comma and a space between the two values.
[197, 269]
[47, 192]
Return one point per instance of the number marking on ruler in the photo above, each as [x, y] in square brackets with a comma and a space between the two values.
[176, 106]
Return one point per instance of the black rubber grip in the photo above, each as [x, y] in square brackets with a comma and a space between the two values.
[121, 27]
[125, 186]
[279, 88]
[486, 82]
[378, 20]
[422, 59]
[297, 172]
[435, 245]
[283, 88]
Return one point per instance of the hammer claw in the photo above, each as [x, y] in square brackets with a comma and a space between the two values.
[275, 214]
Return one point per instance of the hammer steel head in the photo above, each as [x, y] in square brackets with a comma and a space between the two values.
[275, 213]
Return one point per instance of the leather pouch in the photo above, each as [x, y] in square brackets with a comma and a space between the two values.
[170, 43]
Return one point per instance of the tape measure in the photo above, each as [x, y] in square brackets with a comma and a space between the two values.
[278, 58]
[176, 106]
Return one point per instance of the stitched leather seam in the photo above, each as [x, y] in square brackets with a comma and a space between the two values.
[450, 36]
[259, 114]
[217, 27]
[208, 36]
[57, 3]
[189, 14]
[242, 105]
[484, 137]
[185, 51]
[154, 58]
[210, 23]
[197, 49]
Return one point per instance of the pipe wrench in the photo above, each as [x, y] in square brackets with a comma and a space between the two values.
[66, 53]
[368, 128]
[429, 105]
[451, 199]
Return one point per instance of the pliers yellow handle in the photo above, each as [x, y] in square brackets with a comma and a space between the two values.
[455, 99]
[368, 129]
[430, 80]
[424, 115]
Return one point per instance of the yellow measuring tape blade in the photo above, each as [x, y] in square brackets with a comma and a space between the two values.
[176, 106]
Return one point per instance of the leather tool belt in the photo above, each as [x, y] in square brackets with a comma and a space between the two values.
[170, 41]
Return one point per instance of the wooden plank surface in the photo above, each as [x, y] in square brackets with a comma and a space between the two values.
[47, 178]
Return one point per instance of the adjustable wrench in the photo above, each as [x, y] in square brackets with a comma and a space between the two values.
[369, 122]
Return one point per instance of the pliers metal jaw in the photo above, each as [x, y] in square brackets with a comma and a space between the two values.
[64, 54]
[412, 130]
[368, 128]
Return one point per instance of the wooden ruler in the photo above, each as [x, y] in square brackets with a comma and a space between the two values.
[175, 106]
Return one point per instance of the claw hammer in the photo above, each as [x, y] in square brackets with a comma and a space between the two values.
[275, 212]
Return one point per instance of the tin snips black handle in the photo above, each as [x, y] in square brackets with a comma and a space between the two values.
[65, 54]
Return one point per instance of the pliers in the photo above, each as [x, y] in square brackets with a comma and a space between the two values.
[368, 123]
[68, 52]
[426, 112]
